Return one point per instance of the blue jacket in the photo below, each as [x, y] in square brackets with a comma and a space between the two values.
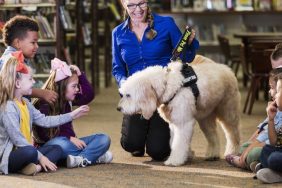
[130, 55]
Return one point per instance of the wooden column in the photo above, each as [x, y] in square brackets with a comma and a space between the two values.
[94, 49]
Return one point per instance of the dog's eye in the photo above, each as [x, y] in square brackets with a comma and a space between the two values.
[127, 95]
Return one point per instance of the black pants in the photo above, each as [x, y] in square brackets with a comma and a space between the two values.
[22, 156]
[138, 133]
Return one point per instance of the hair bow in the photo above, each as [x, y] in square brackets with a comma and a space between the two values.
[21, 67]
[62, 69]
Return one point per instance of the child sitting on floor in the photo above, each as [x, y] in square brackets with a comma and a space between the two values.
[251, 150]
[17, 114]
[74, 90]
[271, 155]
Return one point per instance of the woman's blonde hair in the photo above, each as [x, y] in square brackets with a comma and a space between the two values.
[152, 33]
[8, 76]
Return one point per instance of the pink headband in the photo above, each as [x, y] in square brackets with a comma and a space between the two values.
[62, 69]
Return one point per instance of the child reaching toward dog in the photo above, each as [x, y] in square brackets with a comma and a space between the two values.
[17, 114]
[251, 150]
[74, 90]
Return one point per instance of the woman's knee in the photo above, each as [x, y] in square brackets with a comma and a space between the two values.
[158, 154]
[131, 146]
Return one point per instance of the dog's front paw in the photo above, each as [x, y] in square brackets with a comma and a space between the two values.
[172, 161]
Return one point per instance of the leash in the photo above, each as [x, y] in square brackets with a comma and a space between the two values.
[190, 77]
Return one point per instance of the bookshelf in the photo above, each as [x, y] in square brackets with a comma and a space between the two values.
[51, 34]
[215, 18]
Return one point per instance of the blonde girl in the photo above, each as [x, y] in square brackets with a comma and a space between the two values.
[17, 153]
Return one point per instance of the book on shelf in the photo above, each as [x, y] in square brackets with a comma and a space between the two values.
[65, 18]
[277, 4]
[86, 35]
[244, 5]
[45, 31]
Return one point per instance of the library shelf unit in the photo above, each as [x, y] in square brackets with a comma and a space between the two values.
[208, 24]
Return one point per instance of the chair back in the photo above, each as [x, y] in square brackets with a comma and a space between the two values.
[225, 47]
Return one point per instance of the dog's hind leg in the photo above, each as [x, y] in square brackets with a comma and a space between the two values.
[229, 117]
[208, 126]
[180, 144]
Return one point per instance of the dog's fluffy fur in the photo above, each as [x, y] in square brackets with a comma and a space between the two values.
[219, 99]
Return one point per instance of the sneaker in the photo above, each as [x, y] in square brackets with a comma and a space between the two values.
[29, 170]
[258, 167]
[253, 166]
[106, 158]
[267, 175]
[77, 161]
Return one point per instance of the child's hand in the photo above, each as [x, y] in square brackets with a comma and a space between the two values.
[80, 144]
[271, 110]
[81, 111]
[74, 67]
[192, 36]
[50, 96]
[47, 164]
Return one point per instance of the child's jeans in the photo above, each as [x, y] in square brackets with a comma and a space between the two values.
[22, 156]
[97, 145]
[253, 155]
[271, 157]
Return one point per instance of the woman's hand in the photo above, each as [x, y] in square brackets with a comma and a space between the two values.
[80, 144]
[76, 69]
[192, 36]
[47, 164]
[81, 111]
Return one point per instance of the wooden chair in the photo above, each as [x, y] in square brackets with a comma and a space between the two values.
[257, 69]
[230, 59]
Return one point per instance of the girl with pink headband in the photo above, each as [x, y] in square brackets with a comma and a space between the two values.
[73, 89]
[17, 114]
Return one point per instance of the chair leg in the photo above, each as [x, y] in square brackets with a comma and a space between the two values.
[255, 89]
[237, 68]
[248, 95]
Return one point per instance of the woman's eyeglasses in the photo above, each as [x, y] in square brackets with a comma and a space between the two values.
[141, 5]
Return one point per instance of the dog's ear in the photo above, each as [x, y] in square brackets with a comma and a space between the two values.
[148, 104]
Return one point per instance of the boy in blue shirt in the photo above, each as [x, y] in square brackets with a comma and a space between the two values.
[20, 33]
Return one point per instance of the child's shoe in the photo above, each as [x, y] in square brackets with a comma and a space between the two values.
[30, 170]
[267, 175]
[253, 166]
[106, 158]
[77, 161]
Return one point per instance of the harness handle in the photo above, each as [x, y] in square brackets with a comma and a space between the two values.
[182, 43]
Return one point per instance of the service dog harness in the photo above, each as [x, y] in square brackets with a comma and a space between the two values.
[190, 77]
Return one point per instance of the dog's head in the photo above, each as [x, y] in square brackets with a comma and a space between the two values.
[138, 96]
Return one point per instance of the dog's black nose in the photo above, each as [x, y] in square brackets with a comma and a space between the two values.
[118, 108]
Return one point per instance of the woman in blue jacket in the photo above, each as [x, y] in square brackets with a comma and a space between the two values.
[145, 39]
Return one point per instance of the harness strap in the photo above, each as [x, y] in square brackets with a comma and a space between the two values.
[190, 80]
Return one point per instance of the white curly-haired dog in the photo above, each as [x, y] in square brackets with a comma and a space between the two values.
[219, 99]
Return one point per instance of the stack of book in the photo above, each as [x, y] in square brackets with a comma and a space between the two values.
[45, 31]
[65, 18]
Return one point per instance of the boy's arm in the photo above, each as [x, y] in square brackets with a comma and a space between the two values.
[272, 135]
[271, 112]
[47, 95]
